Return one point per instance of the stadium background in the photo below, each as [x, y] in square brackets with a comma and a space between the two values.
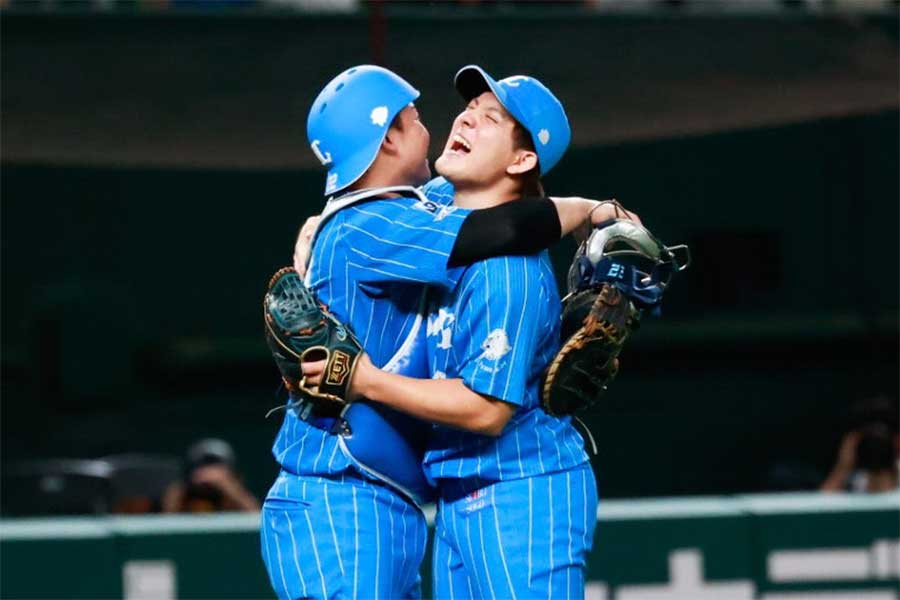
[155, 170]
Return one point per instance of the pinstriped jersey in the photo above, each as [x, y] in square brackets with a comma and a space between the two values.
[497, 331]
[369, 264]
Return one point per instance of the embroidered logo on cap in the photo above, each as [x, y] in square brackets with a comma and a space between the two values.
[379, 115]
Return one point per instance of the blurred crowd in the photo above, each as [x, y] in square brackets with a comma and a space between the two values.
[868, 459]
[205, 480]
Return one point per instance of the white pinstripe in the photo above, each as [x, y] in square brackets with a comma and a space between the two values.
[337, 547]
[391, 243]
[377, 542]
[530, 527]
[351, 296]
[278, 551]
[449, 569]
[403, 547]
[569, 529]
[471, 552]
[537, 433]
[384, 260]
[334, 448]
[519, 454]
[494, 509]
[369, 328]
[400, 223]
[587, 527]
[387, 275]
[321, 451]
[355, 544]
[392, 535]
[487, 571]
[312, 537]
[384, 323]
[294, 555]
[550, 511]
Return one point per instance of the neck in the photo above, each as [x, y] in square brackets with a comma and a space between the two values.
[475, 198]
[381, 175]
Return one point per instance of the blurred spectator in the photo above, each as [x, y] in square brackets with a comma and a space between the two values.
[211, 482]
[869, 456]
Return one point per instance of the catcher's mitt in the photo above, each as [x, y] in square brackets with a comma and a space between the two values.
[619, 272]
[299, 328]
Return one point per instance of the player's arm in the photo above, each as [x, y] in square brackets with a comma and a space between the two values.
[527, 226]
[492, 381]
[516, 228]
[445, 401]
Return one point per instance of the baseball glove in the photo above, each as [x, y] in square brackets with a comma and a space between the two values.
[619, 273]
[300, 328]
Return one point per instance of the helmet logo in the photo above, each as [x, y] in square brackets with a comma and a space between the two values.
[379, 115]
[323, 158]
[514, 80]
[544, 136]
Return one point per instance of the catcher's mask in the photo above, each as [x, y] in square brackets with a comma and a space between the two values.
[625, 254]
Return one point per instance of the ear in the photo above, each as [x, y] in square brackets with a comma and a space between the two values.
[525, 161]
[389, 143]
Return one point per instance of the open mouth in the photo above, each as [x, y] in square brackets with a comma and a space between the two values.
[460, 145]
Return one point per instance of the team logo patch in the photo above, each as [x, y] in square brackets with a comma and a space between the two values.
[475, 501]
[338, 369]
[324, 158]
[440, 325]
[514, 80]
[495, 346]
[379, 115]
[543, 136]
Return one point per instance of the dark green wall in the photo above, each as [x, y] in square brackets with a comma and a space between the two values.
[130, 303]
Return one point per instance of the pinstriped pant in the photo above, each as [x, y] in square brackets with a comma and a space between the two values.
[525, 538]
[342, 539]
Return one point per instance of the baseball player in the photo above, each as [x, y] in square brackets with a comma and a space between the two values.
[341, 518]
[517, 495]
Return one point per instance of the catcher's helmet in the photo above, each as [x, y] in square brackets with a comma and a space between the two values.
[625, 254]
[350, 117]
[530, 103]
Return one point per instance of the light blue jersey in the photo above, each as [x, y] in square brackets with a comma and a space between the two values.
[517, 512]
[330, 529]
[497, 331]
[369, 265]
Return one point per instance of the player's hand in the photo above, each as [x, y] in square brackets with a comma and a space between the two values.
[313, 372]
[303, 245]
[611, 209]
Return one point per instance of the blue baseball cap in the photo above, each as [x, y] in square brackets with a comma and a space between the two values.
[530, 103]
[349, 119]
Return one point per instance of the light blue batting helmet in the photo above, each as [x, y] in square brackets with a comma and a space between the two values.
[530, 103]
[349, 119]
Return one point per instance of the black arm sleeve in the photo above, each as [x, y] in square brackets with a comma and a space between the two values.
[525, 226]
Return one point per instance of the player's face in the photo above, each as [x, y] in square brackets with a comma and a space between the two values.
[481, 144]
[412, 140]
